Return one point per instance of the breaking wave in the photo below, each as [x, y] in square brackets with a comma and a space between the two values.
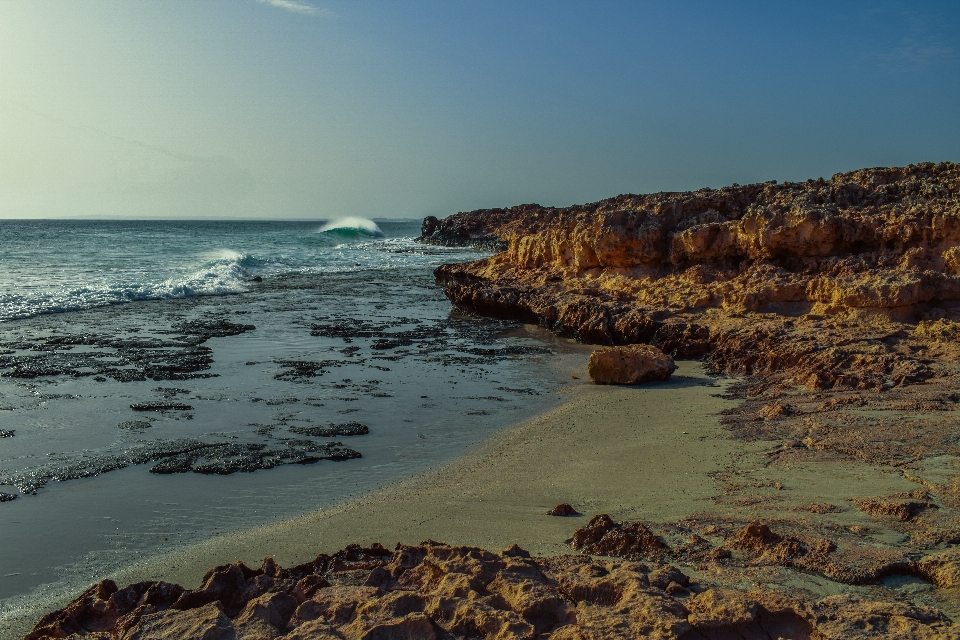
[352, 226]
[223, 272]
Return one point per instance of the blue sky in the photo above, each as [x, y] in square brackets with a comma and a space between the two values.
[306, 108]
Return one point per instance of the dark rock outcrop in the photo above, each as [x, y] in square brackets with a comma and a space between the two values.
[160, 406]
[563, 510]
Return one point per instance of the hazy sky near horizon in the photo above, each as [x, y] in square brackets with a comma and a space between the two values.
[323, 108]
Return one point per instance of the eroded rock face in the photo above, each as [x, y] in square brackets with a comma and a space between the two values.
[744, 275]
[869, 238]
[437, 591]
[631, 364]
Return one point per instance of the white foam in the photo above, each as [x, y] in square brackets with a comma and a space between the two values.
[225, 254]
[225, 272]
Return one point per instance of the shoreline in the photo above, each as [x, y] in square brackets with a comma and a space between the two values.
[70, 429]
[499, 492]
[657, 454]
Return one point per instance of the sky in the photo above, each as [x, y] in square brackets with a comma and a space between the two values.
[323, 109]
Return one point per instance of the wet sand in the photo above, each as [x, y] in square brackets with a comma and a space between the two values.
[636, 453]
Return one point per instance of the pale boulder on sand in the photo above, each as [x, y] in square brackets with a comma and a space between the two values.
[630, 364]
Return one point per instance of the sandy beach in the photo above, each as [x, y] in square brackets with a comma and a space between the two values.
[636, 453]
[655, 454]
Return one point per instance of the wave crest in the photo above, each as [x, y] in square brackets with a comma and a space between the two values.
[352, 226]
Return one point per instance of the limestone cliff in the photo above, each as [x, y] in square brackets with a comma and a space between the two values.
[751, 276]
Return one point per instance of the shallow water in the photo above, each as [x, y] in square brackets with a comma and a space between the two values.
[363, 336]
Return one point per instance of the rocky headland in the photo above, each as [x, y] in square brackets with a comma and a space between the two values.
[826, 294]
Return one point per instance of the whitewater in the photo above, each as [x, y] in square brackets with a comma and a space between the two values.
[51, 266]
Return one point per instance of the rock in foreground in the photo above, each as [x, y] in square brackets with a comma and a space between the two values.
[438, 591]
[632, 364]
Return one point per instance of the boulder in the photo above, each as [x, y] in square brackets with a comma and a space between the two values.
[429, 225]
[630, 364]
[564, 510]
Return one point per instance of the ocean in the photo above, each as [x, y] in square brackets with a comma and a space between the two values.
[67, 265]
[165, 382]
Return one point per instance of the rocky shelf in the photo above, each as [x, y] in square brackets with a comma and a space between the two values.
[842, 291]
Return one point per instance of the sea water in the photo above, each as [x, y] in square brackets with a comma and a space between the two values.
[66, 265]
[250, 348]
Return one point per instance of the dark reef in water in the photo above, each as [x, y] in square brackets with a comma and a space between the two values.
[171, 346]
[160, 406]
[334, 430]
[123, 359]
[182, 456]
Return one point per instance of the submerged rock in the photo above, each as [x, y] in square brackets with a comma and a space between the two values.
[344, 429]
[134, 425]
[130, 359]
[160, 406]
[182, 455]
[631, 364]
